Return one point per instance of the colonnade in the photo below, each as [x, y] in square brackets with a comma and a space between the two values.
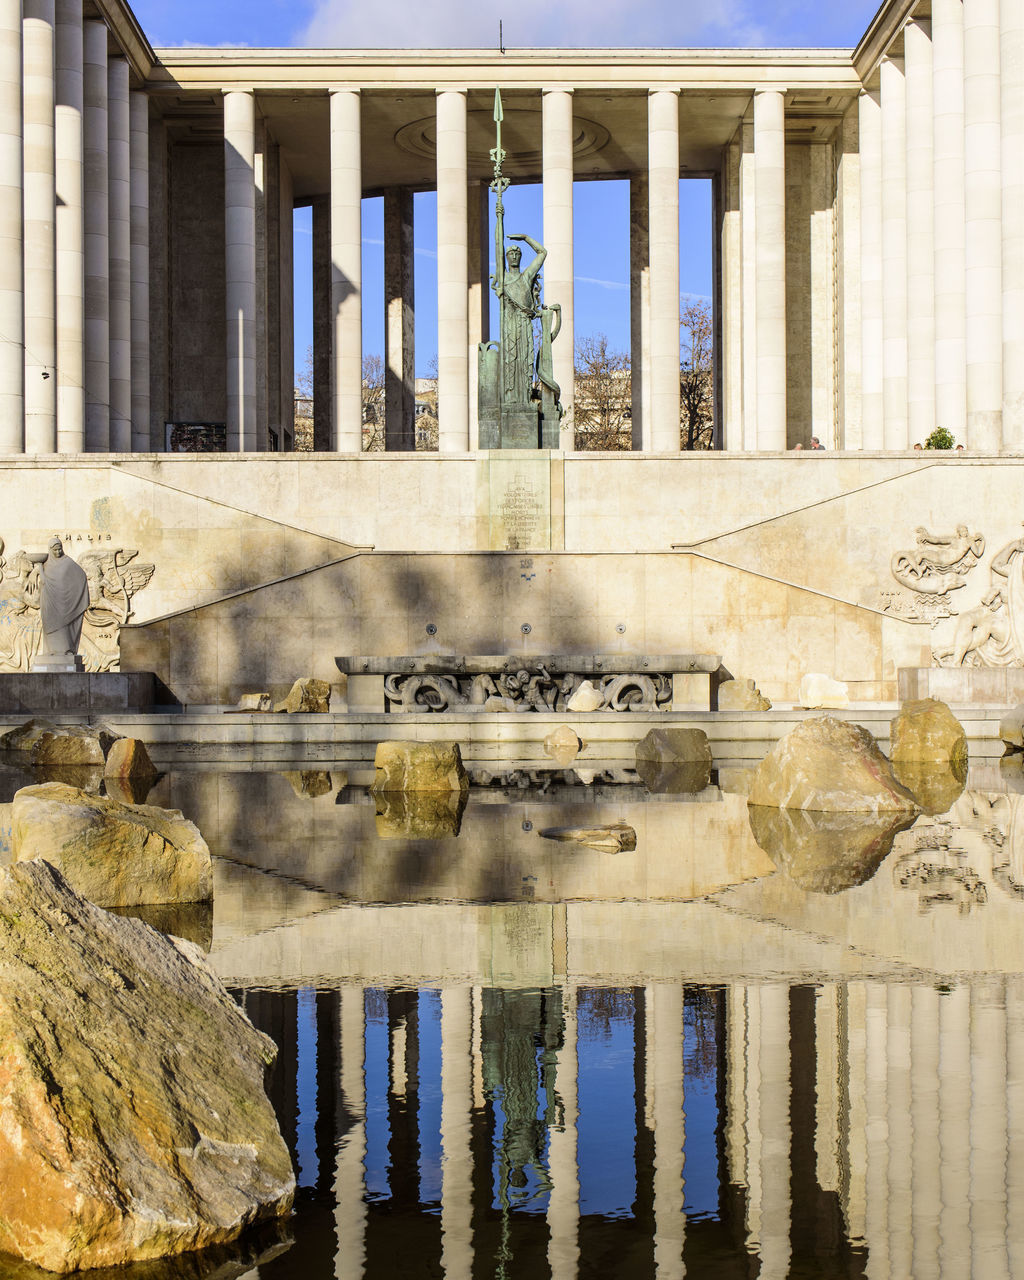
[942, 231]
[74, 198]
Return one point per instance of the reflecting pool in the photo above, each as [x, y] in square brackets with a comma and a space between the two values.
[740, 1049]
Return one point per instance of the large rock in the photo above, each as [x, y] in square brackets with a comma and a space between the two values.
[740, 694]
[53, 744]
[419, 815]
[26, 735]
[675, 746]
[818, 690]
[615, 837]
[826, 852]
[935, 787]
[927, 732]
[135, 1123]
[419, 766]
[128, 758]
[829, 765]
[114, 854]
[1011, 729]
[307, 695]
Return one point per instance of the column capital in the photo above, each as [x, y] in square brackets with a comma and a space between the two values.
[451, 88]
[770, 88]
[556, 88]
[665, 88]
[226, 93]
[344, 88]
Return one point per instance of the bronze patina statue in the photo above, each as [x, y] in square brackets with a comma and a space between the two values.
[518, 395]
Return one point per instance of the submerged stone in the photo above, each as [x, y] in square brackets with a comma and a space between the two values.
[616, 837]
[419, 815]
[419, 766]
[114, 854]
[128, 758]
[829, 765]
[135, 1122]
[826, 852]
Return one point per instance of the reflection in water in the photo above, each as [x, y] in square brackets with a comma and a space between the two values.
[501, 1058]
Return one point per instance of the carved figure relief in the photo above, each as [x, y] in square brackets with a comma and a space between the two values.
[113, 580]
[992, 633]
[523, 690]
[938, 565]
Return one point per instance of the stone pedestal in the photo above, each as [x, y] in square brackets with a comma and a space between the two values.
[56, 664]
[55, 692]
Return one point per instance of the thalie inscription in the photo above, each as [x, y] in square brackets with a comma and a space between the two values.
[114, 577]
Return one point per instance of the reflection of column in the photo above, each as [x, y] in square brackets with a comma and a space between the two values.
[736, 1068]
[558, 223]
[752, 1113]
[140, 271]
[40, 241]
[894, 254]
[920, 233]
[12, 348]
[855, 1146]
[240, 266]
[1011, 44]
[948, 97]
[983, 207]
[346, 271]
[775, 1131]
[120, 224]
[665, 1072]
[399, 320]
[988, 1132]
[70, 260]
[827, 1079]
[770, 258]
[876, 1208]
[640, 308]
[925, 1195]
[663, 193]
[1015, 1122]
[870, 120]
[452, 274]
[97, 254]
[350, 1206]
[563, 1167]
[954, 1130]
[457, 1158]
[901, 1137]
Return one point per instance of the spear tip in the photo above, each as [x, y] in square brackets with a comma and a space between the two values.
[498, 113]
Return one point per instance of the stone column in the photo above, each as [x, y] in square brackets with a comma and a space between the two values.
[349, 1173]
[920, 233]
[120, 223]
[983, 204]
[558, 227]
[563, 1166]
[140, 271]
[748, 249]
[948, 274]
[770, 265]
[640, 309]
[70, 228]
[456, 1147]
[479, 302]
[12, 348]
[848, 219]
[665, 1071]
[40, 237]
[732, 300]
[452, 274]
[347, 269]
[97, 241]
[894, 254]
[1011, 46]
[870, 122]
[663, 178]
[240, 266]
[399, 322]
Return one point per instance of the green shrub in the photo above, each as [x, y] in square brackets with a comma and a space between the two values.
[940, 438]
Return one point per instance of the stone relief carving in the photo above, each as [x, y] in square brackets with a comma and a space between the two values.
[114, 578]
[992, 633]
[938, 565]
[523, 690]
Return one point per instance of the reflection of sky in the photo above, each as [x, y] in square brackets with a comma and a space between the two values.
[430, 1097]
[378, 1168]
[701, 1106]
[305, 1089]
[607, 1110]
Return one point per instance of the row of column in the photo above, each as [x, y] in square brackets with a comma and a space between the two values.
[942, 231]
[74, 258]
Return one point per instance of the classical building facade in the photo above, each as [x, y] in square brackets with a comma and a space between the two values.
[868, 228]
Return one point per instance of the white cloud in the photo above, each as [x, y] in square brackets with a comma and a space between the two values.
[584, 24]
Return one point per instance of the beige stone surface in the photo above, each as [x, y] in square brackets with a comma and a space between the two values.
[675, 746]
[829, 765]
[563, 745]
[826, 852]
[419, 766]
[114, 854]
[419, 815]
[1011, 728]
[73, 745]
[26, 735]
[741, 694]
[129, 758]
[926, 731]
[255, 702]
[819, 690]
[617, 837]
[306, 695]
[135, 1119]
[585, 697]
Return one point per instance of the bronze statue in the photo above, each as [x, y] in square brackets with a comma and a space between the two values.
[518, 395]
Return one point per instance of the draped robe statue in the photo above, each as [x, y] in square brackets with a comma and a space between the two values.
[63, 600]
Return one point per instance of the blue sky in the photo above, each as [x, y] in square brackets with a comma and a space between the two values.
[602, 209]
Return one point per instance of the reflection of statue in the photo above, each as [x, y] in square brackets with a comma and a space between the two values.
[510, 416]
[63, 600]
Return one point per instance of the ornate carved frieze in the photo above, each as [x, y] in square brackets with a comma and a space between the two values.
[114, 576]
[526, 689]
